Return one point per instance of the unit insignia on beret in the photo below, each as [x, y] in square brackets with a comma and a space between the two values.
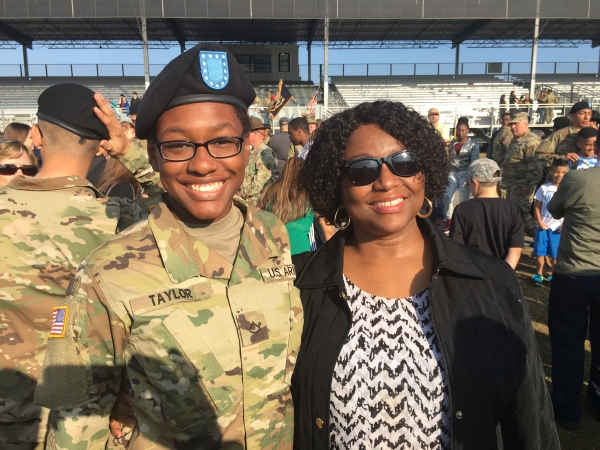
[215, 70]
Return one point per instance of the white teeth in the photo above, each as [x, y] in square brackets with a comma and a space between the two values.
[209, 187]
[392, 203]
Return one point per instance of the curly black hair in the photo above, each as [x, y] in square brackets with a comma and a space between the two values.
[320, 176]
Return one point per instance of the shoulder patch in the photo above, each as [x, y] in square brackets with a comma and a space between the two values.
[59, 321]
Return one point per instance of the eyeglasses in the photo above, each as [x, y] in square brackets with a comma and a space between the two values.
[221, 147]
[11, 169]
[434, 114]
[366, 170]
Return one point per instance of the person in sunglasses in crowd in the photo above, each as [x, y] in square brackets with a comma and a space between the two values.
[16, 160]
[410, 339]
[193, 312]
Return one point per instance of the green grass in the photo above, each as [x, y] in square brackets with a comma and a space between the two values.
[587, 437]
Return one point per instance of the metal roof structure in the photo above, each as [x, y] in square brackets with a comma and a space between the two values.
[353, 23]
[346, 33]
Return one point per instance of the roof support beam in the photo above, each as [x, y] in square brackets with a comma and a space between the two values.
[595, 43]
[469, 31]
[16, 35]
[176, 32]
[312, 31]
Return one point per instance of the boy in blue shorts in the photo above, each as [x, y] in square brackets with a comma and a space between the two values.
[547, 234]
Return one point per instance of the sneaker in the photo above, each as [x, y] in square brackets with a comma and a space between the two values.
[549, 278]
[537, 280]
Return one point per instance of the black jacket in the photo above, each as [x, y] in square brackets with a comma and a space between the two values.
[480, 316]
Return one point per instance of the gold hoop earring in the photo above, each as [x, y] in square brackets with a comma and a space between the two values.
[344, 223]
[428, 213]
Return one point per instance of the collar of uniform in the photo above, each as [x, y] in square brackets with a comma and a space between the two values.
[257, 243]
[185, 257]
[52, 184]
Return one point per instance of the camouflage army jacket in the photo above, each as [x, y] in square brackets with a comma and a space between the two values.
[260, 172]
[520, 165]
[558, 145]
[47, 227]
[501, 143]
[206, 349]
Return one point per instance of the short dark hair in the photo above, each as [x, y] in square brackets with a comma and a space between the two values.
[299, 123]
[562, 122]
[134, 93]
[505, 114]
[559, 162]
[321, 174]
[586, 133]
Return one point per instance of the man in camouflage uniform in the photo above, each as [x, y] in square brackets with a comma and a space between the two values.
[563, 143]
[193, 311]
[519, 174]
[550, 100]
[502, 140]
[48, 224]
[262, 166]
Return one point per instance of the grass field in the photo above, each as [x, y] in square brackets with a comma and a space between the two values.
[588, 435]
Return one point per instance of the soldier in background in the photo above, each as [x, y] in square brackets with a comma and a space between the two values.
[563, 143]
[280, 143]
[48, 224]
[550, 100]
[262, 165]
[193, 311]
[519, 169]
[501, 141]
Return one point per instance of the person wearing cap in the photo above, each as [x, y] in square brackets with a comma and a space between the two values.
[501, 140]
[563, 143]
[595, 119]
[312, 123]
[48, 224]
[519, 168]
[487, 222]
[280, 143]
[433, 115]
[193, 312]
[262, 163]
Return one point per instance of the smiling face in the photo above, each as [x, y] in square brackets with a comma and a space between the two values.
[201, 189]
[386, 206]
[581, 119]
[462, 132]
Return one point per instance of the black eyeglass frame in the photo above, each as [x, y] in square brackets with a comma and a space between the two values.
[380, 161]
[201, 144]
[16, 169]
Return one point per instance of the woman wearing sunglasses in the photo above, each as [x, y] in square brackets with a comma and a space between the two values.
[410, 340]
[16, 160]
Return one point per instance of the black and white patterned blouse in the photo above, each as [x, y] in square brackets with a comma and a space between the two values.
[389, 389]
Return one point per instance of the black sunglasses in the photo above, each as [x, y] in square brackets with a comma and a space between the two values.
[366, 170]
[11, 169]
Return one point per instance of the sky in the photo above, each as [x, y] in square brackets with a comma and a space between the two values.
[346, 56]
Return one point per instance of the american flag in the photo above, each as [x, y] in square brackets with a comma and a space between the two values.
[59, 319]
[313, 102]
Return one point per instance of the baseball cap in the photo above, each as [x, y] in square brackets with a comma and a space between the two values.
[483, 171]
[284, 121]
[518, 117]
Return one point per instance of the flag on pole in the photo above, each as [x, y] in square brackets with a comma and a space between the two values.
[312, 103]
[282, 98]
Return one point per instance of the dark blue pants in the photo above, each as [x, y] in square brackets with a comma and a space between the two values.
[574, 300]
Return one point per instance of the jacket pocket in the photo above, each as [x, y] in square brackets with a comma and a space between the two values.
[180, 368]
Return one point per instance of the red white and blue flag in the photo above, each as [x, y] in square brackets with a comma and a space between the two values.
[313, 102]
[59, 321]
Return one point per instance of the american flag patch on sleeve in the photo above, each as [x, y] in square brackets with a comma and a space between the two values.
[59, 321]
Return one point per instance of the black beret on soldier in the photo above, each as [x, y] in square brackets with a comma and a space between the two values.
[207, 72]
[579, 106]
[71, 106]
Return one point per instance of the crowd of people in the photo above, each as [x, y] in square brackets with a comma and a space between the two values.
[183, 278]
[524, 103]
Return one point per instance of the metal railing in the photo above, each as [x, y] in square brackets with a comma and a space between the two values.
[316, 70]
[466, 68]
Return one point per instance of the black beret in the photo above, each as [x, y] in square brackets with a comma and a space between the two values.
[207, 72]
[71, 106]
[579, 106]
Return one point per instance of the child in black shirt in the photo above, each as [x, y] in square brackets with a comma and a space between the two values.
[487, 222]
